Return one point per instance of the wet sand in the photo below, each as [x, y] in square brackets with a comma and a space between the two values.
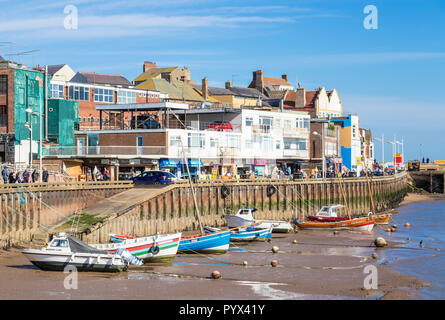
[320, 266]
[421, 197]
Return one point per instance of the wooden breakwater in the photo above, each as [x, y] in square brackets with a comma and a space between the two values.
[174, 210]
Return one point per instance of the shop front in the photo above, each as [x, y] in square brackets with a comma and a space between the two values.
[171, 165]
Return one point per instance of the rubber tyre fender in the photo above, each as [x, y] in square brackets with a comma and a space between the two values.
[155, 249]
[225, 191]
[270, 190]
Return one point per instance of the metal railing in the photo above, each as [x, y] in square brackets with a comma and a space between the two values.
[52, 186]
[104, 151]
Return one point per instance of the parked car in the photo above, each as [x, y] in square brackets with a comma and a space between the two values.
[151, 124]
[220, 126]
[153, 177]
[145, 122]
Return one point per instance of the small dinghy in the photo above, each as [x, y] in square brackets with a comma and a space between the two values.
[244, 216]
[63, 251]
[245, 234]
[157, 248]
[217, 242]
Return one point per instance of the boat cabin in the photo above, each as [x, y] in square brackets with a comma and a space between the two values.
[331, 211]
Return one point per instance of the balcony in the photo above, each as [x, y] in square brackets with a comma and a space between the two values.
[104, 151]
[294, 153]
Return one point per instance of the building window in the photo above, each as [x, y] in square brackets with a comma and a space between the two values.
[103, 95]
[249, 121]
[57, 91]
[3, 84]
[196, 140]
[3, 116]
[266, 124]
[278, 144]
[248, 144]
[125, 96]
[287, 124]
[267, 144]
[295, 144]
[303, 123]
[175, 141]
[79, 93]
[233, 141]
[212, 142]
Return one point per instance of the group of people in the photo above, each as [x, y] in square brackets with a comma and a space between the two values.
[23, 176]
[98, 175]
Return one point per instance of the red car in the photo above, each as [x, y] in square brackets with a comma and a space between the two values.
[220, 126]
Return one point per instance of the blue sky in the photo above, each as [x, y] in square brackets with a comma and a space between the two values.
[393, 77]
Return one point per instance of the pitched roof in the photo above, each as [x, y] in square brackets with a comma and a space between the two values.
[54, 68]
[247, 92]
[269, 82]
[176, 90]
[101, 78]
[310, 98]
[276, 94]
[1, 58]
[153, 73]
[213, 91]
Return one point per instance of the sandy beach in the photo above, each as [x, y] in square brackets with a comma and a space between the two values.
[421, 197]
[320, 265]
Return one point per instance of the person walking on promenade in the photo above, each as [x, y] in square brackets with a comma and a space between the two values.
[35, 176]
[5, 174]
[12, 177]
[45, 175]
[19, 177]
[26, 176]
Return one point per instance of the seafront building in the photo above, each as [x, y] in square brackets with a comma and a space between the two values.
[96, 120]
[28, 115]
[257, 141]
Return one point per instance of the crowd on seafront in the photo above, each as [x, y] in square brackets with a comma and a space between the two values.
[10, 176]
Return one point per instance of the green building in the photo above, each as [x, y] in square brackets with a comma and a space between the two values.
[21, 89]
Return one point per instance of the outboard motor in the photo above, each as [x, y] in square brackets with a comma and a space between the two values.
[128, 257]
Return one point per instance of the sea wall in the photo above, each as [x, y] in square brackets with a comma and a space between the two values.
[174, 210]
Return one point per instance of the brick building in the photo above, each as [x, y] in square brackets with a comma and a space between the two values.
[91, 88]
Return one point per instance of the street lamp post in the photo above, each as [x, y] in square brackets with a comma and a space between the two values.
[31, 113]
[29, 126]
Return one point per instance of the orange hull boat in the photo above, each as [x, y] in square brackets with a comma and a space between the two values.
[382, 218]
[360, 224]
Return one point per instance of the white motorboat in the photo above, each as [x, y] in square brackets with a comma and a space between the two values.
[244, 217]
[63, 251]
[157, 248]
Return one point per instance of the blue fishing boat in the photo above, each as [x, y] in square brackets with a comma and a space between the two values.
[246, 234]
[217, 242]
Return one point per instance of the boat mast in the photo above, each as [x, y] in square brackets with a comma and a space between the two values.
[369, 186]
[193, 190]
[343, 192]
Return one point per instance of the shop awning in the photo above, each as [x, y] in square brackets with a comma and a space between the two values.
[169, 163]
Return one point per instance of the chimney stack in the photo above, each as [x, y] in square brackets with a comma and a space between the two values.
[205, 89]
[300, 98]
[228, 84]
[148, 65]
[285, 77]
[258, 80]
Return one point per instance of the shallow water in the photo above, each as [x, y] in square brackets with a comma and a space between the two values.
[424, 260]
